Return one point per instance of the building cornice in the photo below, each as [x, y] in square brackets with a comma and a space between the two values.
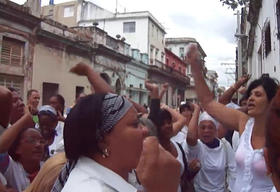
[180, 40]
[171, 74]
[174, 55]
[115, 18]
[18, 13]
[97, 49]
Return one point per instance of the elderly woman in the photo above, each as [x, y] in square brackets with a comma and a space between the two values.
[250, 164]
[26, 150]
[214, 154]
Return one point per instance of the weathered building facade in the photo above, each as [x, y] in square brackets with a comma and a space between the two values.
[136, 74]
[175, 62]
[179, 46]
[259, 47]
[140, 29]
[17, 42]
[38, 53]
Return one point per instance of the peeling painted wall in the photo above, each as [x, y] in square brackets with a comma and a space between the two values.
[52, 66]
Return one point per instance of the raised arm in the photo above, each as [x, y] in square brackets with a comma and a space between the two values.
[228, 94]
[179, 120]
[6, 106]
[155, 100]
[192, 135]
[230, 117]
[163, 90]
[96, 81]
[10, 134]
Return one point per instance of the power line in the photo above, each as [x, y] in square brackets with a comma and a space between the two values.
[230, 72]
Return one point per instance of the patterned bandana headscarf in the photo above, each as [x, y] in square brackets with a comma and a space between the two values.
[114, 107]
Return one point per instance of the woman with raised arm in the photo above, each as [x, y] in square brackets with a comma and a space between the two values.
[251, 170]
[215, 155]
[21, 153]
[162, 118]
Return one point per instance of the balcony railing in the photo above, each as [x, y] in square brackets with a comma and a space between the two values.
[167, 69]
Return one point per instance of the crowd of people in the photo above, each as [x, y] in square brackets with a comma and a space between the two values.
[107, 142]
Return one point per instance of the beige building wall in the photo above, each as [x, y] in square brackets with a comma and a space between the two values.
[190, 94]
[156, 42]
[52, 66]
[65, 13]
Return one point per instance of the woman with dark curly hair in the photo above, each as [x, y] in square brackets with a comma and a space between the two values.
[250, 164]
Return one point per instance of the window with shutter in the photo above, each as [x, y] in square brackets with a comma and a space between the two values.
[12, 81]
[12, 52]
[266, 39]
[129, 27]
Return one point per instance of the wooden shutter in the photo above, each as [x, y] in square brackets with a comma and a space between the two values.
[12, 81]
[12, 52]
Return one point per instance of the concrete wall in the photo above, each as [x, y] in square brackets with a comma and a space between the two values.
[137, 40]
[156, 41]
[22, 73]
[175, 62]
[270, 63]
[190, 94]
[52, 66]
[56, 12]
[135, 83]
[175, 48]
[91, 11]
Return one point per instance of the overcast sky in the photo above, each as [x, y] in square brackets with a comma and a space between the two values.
[208, 21]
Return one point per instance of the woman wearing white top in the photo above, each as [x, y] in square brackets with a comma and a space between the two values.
[251, 172]
[103, 143]
[58, 102]
[168, 122]
[216, 156]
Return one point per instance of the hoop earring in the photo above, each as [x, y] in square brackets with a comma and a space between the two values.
[105, 153]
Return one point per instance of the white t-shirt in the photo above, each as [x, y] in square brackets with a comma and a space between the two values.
[89, 176]
[181, 135]
[16, 176]
[58, 144]
[250, 165]
[273, 189]
[235, 140]
[3, 179]
[132, 179]
[215, 164]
